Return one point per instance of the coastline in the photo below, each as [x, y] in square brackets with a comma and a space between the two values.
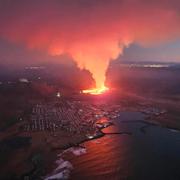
[65, 147]
[64, 166]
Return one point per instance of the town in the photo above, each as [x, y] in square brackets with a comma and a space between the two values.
[72, 116]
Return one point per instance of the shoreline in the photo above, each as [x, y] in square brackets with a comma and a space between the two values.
[77, 144]
[51, 143]
[62, 147]
[70, 148]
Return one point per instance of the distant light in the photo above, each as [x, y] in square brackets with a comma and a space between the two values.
[58, 94]
[35, 67]
[80, 110]
[146, 65]
[90, 137]
[156, 65]
[23, 80]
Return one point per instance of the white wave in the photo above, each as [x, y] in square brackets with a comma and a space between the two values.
[77, 151]
[63, 175]
[62, 171]
[59, 161]
[64, 165]
[64, 168]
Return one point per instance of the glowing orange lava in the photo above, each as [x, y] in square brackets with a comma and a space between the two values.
[96, 91]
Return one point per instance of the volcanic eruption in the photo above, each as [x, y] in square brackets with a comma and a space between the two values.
[95, 57]
[93, 54]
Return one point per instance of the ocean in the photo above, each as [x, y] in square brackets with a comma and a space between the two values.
[142, 151]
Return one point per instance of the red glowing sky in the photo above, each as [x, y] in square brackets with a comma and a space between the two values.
[92, 32]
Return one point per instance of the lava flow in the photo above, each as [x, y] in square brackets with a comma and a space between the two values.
[96, 91]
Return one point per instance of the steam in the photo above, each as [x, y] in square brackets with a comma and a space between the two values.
[91, 32]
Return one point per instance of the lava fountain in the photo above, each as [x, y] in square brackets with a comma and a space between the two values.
[96, 91]
[96, 57]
